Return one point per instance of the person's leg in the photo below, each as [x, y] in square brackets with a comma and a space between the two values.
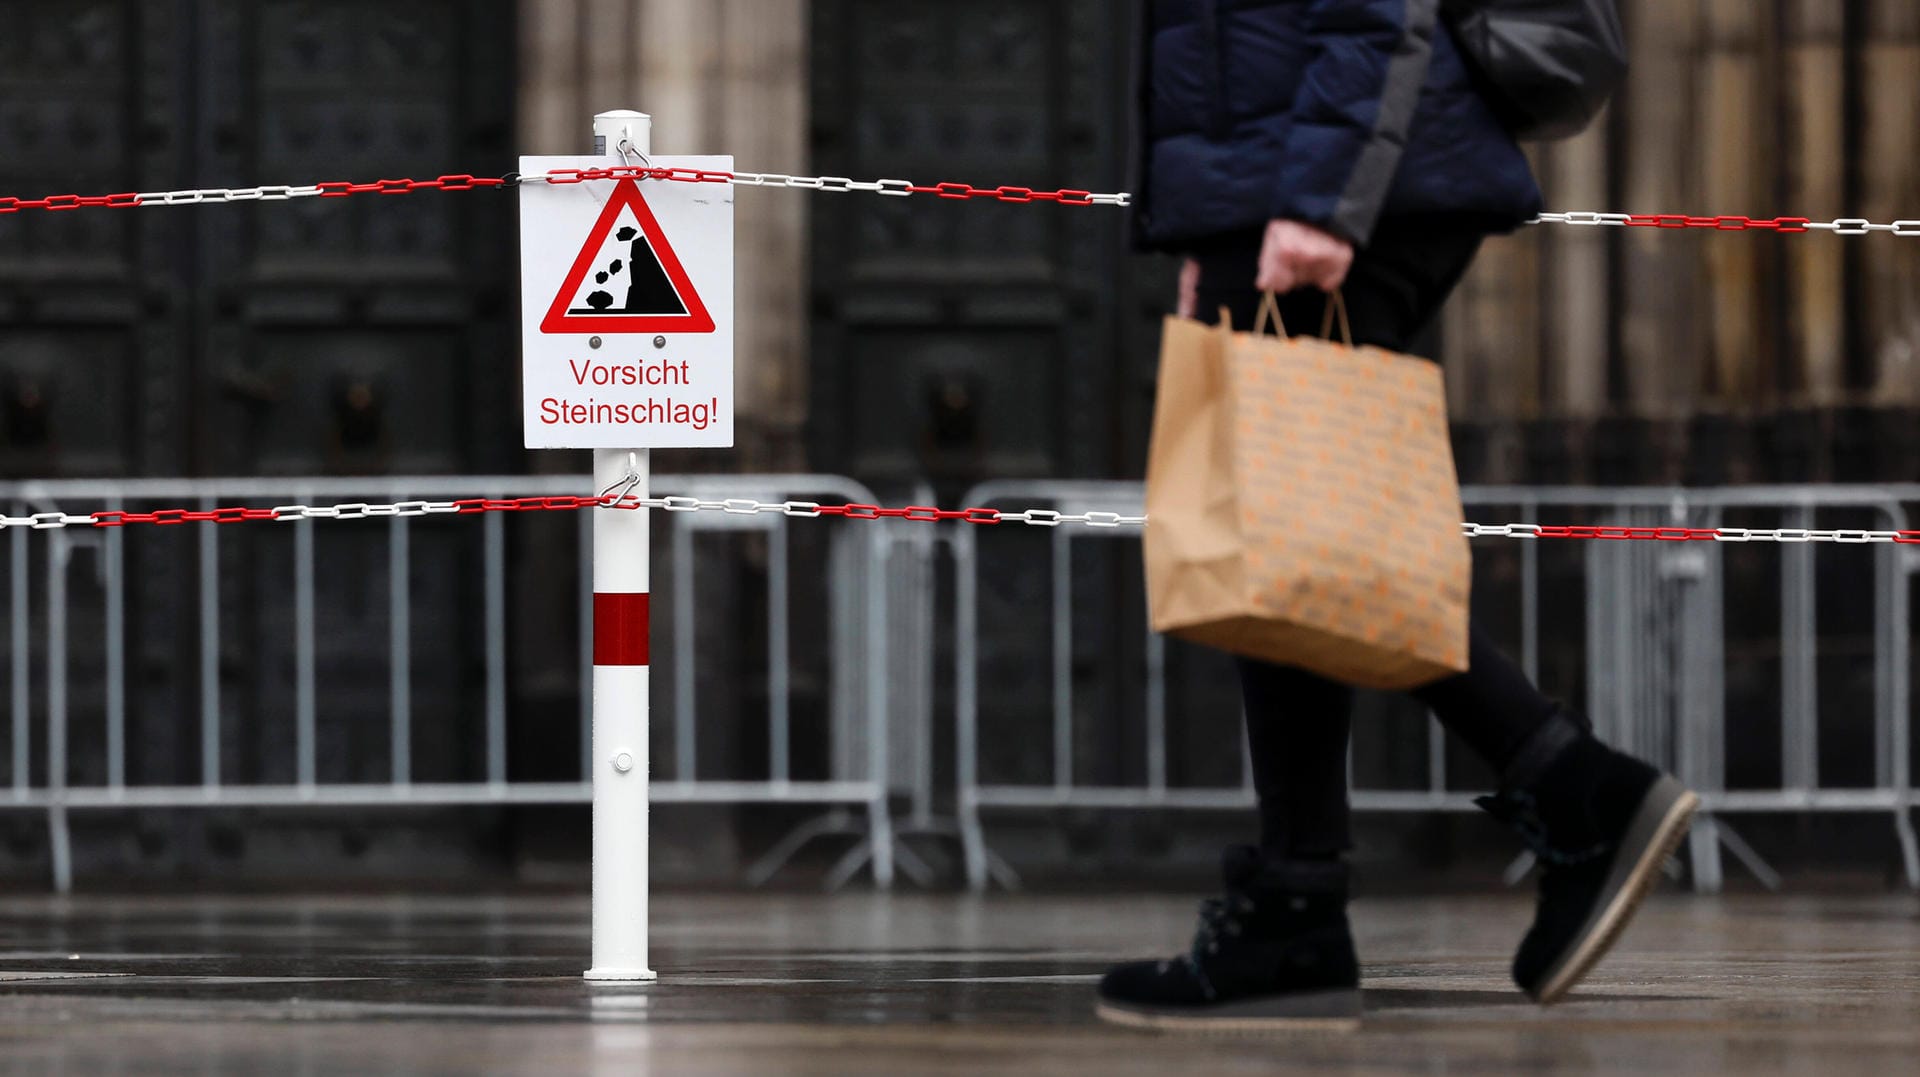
[1297, 731]
[1600, 821]
[1297, 723]
[1492, 706]
[1275, 952]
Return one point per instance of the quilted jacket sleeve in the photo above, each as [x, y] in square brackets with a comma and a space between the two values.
[1351, 114]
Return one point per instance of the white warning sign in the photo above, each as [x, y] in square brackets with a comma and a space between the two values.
[626, 308]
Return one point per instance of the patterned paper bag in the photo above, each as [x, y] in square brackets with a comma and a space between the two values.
[1302, 506]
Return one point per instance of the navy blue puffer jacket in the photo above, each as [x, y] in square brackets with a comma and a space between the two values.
[1337, 113]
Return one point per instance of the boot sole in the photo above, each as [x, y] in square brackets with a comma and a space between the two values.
[1657, 829]
[1276, 1015]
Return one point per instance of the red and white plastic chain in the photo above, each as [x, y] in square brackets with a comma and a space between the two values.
[741, 506]
[1843, 226]
[892, 187]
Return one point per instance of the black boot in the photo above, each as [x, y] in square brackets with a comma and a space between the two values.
[1602, 824]
[1273, 955]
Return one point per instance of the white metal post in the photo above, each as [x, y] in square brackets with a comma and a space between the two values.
[620, 730]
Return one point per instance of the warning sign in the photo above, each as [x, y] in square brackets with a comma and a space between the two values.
[627, 278]
[627, 308]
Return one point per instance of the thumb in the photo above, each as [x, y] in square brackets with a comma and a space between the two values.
[1188, 302]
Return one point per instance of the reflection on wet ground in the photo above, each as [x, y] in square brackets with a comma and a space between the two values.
[912, 983]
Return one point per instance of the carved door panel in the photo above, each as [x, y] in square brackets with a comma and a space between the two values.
[370, 334]
[92, 303]
[966, 341]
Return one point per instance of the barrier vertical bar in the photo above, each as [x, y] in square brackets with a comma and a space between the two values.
[22, 650]
[966, 709]
[920, 583]
[584, 538]
[879, 813]
[59, 840]
[209, 652]
[686, 749]
[495, 542]
[1530, 599]
[1895, 592]
[779, 658]
[620, 678]
[305, 707]
[1062, 660]
[1799, 732]
[399, 652]
[115, 554]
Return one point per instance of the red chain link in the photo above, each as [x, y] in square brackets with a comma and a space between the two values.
[1720, 224]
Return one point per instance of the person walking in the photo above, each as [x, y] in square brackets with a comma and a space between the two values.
[1300, 147]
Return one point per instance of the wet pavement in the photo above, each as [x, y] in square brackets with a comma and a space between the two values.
[912, 983]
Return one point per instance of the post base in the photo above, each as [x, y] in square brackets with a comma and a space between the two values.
[617, 974]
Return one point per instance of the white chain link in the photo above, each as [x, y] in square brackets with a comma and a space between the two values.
[1697, 534]
[225, 194]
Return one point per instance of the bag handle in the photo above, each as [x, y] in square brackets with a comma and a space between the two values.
[1270, 316]
[1336, 305]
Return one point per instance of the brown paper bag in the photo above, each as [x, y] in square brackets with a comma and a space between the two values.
[1302, 506]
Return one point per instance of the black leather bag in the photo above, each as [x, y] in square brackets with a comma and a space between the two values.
[1549, 66]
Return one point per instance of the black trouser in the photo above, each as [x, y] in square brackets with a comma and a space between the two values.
[1298, 723]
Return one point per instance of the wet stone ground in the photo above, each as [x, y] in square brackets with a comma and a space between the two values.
[912, 983]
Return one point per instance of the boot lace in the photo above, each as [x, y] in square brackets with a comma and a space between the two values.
[1520, 810]
[1219, 918]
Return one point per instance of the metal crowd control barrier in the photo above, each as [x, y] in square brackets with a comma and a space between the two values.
[854, 792]
[1655, 656]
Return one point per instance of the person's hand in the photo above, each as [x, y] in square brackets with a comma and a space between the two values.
[1189, 302]
[1295, 255]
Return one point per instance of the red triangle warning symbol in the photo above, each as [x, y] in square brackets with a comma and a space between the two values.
[627, 278]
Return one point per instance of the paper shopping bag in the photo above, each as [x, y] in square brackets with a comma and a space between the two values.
[1302, 506]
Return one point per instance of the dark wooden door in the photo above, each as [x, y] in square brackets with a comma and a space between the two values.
[368, 335]
[966, 341]
[347, 336]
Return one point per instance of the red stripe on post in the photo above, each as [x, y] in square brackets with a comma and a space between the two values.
[619, 629]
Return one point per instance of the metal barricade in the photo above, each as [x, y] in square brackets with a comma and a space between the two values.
[853, 791]
[1655, 653]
